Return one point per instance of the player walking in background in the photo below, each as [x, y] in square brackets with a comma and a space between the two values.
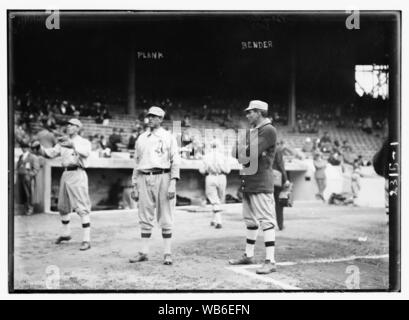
[73, 193]
[356, 181]
[258, 188]
[215, 165]
[320, 165]
[154, 179]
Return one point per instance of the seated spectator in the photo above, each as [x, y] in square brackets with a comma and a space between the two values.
[63, 108]
[95, 143]
[99, 119]
[72, 110]
[346, 146]
[21, 134]
[336, 147]
[334, 158]
[114, 139]
[143, 115]
[76, 114]
[186, 138]
[105, 151]
[46, 137]
[186, 122]
[291, 152]
[325, 143]
[132, 139]
[308, 145]
[103, 142]
[361, 162]
[51, 122]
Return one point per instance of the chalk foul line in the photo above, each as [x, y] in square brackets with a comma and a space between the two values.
[283, 285]
[278, 283]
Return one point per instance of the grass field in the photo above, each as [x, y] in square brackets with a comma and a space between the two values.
[322, 248]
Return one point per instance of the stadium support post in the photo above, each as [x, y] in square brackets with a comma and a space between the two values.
[131, 78]
[292, 88]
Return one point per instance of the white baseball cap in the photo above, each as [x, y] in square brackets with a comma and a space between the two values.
[156, 111]
[257, 104]
[75, 122]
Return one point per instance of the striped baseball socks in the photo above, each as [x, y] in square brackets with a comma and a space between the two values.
[66, 230]
[86, 227]
[145, 236]
[167, 240]
[269, 241]
[252, 233]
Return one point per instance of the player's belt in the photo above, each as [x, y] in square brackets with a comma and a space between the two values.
[156, 171]
[72, 168]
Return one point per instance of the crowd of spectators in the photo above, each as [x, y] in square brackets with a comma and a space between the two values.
[53, 109]
[335, 152]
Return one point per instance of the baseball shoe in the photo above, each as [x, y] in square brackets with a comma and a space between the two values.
[85, 245]
[167, 260]
[139, 258]
[268, 267]
[243, 260]
[62, 238]
[218, 226]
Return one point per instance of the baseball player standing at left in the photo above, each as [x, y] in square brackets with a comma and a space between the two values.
[73, 193]
[154, 179]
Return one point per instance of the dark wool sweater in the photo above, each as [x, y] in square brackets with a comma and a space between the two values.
[261, 180]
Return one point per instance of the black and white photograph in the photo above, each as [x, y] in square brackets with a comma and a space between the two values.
[204, 151]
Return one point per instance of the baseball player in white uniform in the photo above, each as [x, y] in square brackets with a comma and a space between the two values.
[215, 165]
[73, 193]
[154, 179]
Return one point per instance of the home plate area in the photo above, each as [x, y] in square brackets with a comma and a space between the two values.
[321, 248]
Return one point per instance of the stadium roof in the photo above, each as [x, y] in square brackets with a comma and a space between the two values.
[203, 52]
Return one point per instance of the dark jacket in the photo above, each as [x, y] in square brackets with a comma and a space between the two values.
[262, 180]
[28, 167]
[278, 164]
[380, 160]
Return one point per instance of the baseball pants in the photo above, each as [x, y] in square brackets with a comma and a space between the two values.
[322, 184]
[73, 194]
[259, 210]
[216, 189]
[153, 194]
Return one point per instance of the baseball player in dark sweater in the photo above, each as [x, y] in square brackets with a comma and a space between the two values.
[258, 186]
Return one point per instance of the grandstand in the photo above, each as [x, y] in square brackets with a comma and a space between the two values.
[361, 143]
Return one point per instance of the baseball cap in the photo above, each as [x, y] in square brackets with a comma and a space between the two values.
[75, 122]
[156, 111]
[257, 104]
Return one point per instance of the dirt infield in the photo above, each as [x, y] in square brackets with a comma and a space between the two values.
[315, 234]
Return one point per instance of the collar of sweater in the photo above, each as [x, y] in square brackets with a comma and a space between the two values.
[262, 124]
